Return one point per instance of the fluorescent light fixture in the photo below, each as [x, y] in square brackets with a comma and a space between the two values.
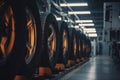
[79, 12]
[58, 18]
[71, 26]
[92, 24]
[63, 14]
[79, 21]
[90, 29]
[73, 4]
[92, 35]
[66, 20]
[76, 26]
[69, 20]
[82, 27]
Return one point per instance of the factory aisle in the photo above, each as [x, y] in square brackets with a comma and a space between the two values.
[98, 68]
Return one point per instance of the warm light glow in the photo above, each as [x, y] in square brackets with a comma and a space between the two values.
[92, 24]
[58, 18]
[79, 12]
[73, 4]
[79, 21]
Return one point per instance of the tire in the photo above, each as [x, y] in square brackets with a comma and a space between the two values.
[64, 43]
[88, 49]
[72, 46]
[78, 41]
[81, 45]
[75, 44]
[84, 46]
[12, 38]
[33, 39]
[50, 42]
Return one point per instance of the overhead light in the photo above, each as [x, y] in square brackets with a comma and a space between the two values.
[90, 29]
[71, 26]
[92, 35]
[58, 18]
[79, 12]
[92, 24]
[82, 27]
[73, 4]
[79, 21]
[76, 26]
[63, 14]
[66, 20]
[69, 20]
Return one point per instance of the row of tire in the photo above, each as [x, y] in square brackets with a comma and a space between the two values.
[34, 42]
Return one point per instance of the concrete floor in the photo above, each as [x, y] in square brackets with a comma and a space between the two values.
[98, 68]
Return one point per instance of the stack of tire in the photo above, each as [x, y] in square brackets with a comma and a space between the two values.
[32, 42]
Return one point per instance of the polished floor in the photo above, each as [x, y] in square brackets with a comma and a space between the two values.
[98, 68]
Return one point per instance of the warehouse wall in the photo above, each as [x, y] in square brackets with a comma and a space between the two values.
[111, 22]
[93, 45]
[115, 16]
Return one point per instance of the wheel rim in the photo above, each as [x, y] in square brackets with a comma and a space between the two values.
[74, 41]
[65, 42]
[7, 32]
[51, 41]
[31, 36]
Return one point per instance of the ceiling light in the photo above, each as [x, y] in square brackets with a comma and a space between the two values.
[92, 35]
[71, 26]
[73, 4]
[79, 12]
[92, 24]
[58, 18]
[76, 26]
[90, 29]
[79, 21]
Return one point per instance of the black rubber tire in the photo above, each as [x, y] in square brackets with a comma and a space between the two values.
[72, 34]
[81, 44]
[84, 45]
[32, 64]
[78, 44]
[46, 61]
[81, 55]
[10, 65]
[88, 47]
[64, 58]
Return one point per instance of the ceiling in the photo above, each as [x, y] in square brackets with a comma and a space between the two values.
[96, 8]
[96, 15]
